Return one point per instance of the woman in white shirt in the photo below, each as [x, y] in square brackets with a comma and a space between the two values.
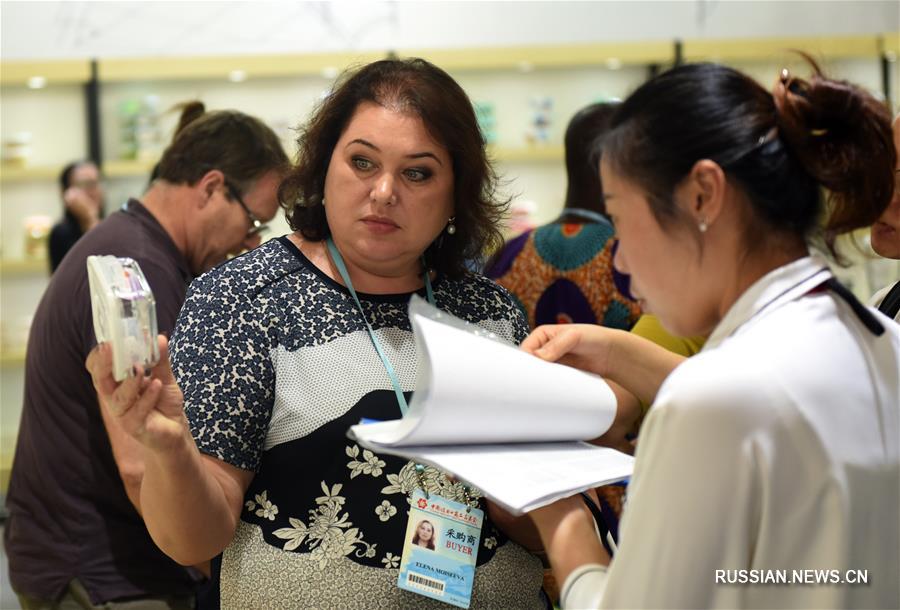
[767, 472]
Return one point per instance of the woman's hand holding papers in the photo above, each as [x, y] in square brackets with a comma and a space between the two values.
[575, 345]
[637, 364]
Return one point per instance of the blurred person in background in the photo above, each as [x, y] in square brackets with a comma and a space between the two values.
[886, 239]
[777, 447]
[279, 351]
[75, 537]
[82, 195]
[562, 272]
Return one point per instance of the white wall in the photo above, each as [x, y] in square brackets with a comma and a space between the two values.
[32, 30]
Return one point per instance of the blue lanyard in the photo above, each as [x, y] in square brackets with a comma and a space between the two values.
[342, 269]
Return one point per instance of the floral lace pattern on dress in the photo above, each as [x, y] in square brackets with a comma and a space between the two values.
[328, 533]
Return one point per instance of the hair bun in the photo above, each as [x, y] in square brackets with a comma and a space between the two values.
[190, 111]
[841, 135]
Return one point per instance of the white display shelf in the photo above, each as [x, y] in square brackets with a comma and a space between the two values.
[12, 356]
[511, 154]
[23, 267]
[111, 169]
[55, 72]
[131, 169]
[527, 154]
[6, 460]
[127, 168]
[767, 49]
[15, 173]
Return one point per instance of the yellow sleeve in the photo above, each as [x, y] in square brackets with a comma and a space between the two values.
[649, 327]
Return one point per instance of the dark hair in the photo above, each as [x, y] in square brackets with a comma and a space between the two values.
[779, 149]
[241, 146]
[418, 87]
[190, 110]
[65, 176]
[584, 189]
[415, 539]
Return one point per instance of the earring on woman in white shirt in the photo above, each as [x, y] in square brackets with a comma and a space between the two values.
[703, 225]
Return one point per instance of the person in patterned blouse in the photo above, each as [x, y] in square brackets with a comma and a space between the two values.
[272, 362]
[562, 272]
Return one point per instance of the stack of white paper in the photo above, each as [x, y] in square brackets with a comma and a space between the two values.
[499, 419]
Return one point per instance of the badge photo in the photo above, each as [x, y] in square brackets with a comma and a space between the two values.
[440, 549]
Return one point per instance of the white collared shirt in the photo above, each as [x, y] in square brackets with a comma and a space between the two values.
[774, 451]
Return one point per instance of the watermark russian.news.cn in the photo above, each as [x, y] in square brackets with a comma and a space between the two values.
[792, 577]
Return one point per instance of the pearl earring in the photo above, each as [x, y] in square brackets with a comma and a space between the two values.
[451, 228]
[703, 226]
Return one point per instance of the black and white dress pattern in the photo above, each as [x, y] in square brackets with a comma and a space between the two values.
[275, 364]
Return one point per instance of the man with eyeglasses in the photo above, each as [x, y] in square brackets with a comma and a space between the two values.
[231, 220]
[82, 194]
[75, 536]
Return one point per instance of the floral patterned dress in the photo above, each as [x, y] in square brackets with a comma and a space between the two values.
[275, 364]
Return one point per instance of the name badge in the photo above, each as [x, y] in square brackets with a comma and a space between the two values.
[440, 549]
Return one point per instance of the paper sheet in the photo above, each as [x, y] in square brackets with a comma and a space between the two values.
[502, 420]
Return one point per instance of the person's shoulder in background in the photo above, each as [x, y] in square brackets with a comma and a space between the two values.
[501, 261]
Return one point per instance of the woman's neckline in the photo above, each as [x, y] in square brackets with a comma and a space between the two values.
[292, 247]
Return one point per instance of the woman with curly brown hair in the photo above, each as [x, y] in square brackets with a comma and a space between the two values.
[278, 352]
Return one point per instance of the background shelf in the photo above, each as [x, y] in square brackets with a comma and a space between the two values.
[18, 73]
[23, 267]
[127, 168]
[111, 169]
[12, 173]
[12, 357]
[536, 153]
[763, 49]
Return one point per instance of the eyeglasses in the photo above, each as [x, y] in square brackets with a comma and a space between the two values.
[256, 225]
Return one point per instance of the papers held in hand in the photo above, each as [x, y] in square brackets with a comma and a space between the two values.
[501, 420]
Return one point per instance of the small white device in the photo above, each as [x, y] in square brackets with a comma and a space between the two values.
[124, 312]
